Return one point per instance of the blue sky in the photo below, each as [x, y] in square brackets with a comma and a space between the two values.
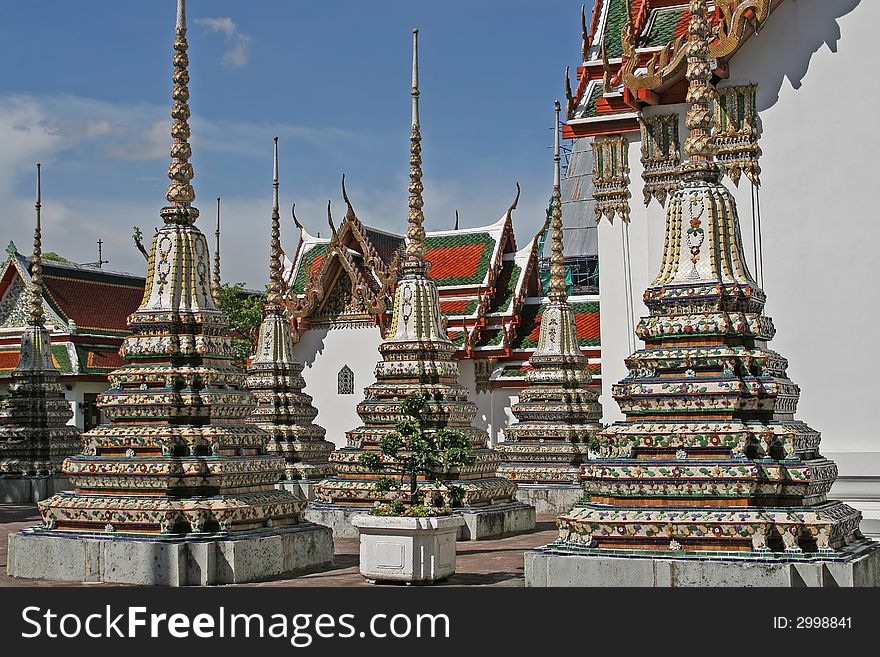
[85, 88]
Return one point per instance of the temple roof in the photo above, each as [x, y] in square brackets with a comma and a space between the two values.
[490, 292]
[87, 308]
[641, 57]
[96, 301]
[69, 358]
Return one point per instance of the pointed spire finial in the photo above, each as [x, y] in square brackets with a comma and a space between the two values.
[456, 220]
[415, 77]
[569, 95]
[275, 273]
[36, 312]
[215, 290]
[700, 144]
[415, 249]
[585, 34]
[180, 192]
[293, 214]
[558, 291]
[515, 198]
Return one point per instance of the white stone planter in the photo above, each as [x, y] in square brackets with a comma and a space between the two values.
[411, 550]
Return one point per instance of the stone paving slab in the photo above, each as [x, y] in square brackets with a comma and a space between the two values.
[497, 562]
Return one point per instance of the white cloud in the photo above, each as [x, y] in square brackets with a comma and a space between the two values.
[238, 44]
[84, 133]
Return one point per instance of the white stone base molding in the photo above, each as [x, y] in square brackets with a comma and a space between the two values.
[27, 490]
[255, 557]
[547, 498]
[858, 565]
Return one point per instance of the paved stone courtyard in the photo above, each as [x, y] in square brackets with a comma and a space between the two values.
[496, 562]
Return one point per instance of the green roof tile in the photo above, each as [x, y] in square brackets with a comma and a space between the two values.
[505, 287]
[662, 24]
[305, 266]
[595, 94]
[613, 27]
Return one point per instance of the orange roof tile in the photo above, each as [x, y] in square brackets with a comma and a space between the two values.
[454, 261]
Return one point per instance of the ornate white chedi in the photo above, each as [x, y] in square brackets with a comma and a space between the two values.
[34, 435]
[558, 411]
[283, 409]
[417, 358]
[710, 480]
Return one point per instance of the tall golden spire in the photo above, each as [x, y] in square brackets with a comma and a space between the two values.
[36, 312]
[273, 301]
[180, 192]
[700, 144]
[215, 289]
[415, 250]
[558, 291]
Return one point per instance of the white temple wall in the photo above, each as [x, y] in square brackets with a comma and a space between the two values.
[325, 352]
[493, 406]
[645, 235]
[816, 101]
[76, 397]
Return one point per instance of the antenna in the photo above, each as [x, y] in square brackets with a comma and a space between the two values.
[100, 262]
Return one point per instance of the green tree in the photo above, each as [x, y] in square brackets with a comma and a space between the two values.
[245, 313]
[54, 257]
[414, 450]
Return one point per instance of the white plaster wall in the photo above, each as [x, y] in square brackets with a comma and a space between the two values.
[816, 100]
[325, 352]
[493, 406]
[76, 395]
[617, 331]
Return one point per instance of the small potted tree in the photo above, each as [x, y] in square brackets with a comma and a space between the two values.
[411, 538]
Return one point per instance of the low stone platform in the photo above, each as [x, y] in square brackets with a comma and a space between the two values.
[253, 557]
[480, 523]
[858, 565]
[496, 521]
[547, 498]
[24, 490]
[304, 488]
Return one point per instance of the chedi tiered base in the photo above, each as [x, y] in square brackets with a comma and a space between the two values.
[417, 359]
[558, 413]
[275, 377]
[176, 489]
[710, 481]
[286, 413]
